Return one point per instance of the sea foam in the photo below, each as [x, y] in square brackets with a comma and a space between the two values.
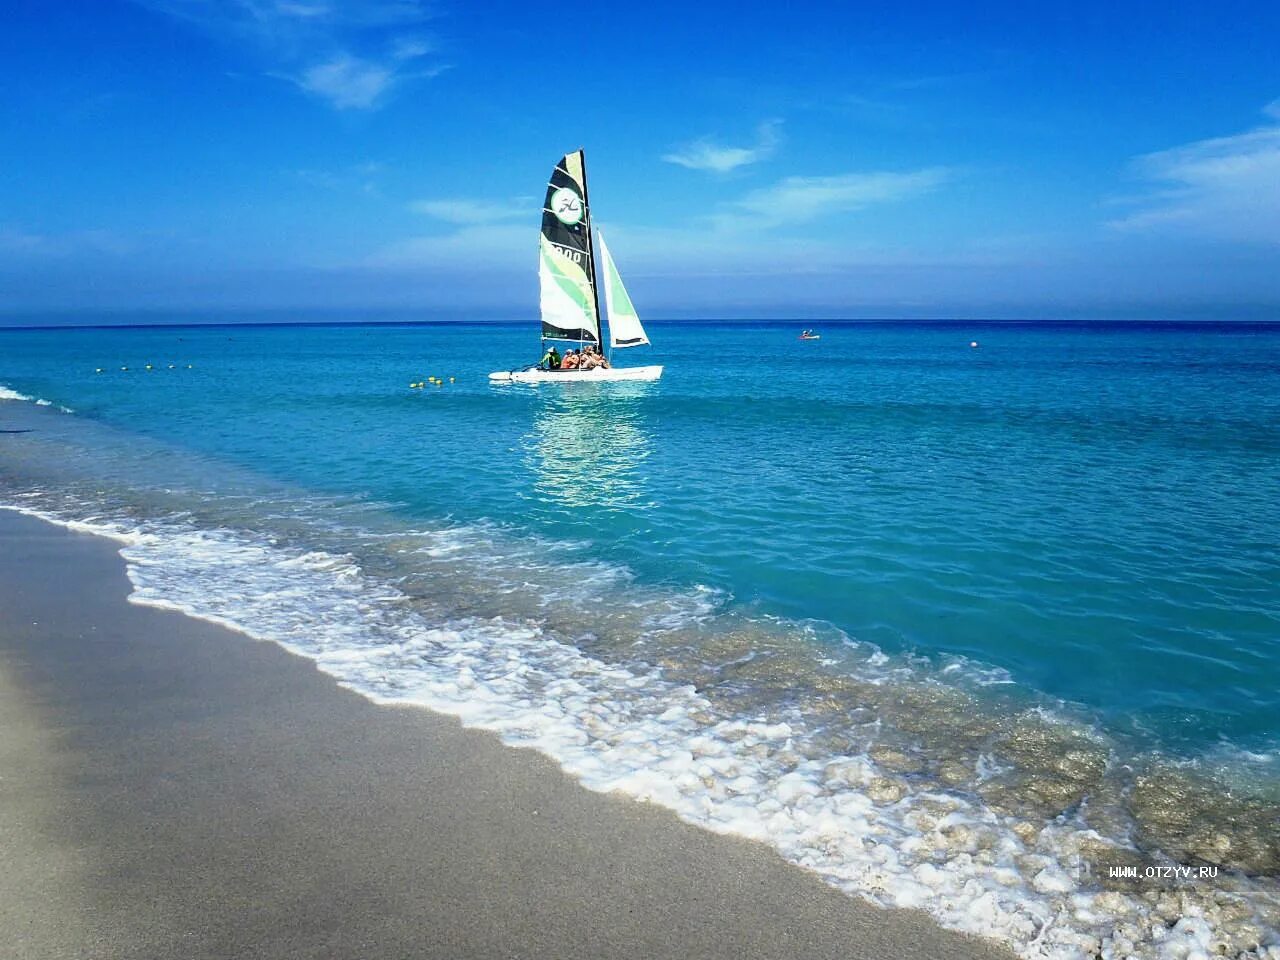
[7, 393]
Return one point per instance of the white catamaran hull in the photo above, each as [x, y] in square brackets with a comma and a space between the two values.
[597, 375]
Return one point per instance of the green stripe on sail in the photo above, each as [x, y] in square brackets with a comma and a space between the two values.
[570, 285]
[619, 300]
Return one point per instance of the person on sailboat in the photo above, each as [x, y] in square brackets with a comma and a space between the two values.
[551, 359]
[570, 361]
[589, 359]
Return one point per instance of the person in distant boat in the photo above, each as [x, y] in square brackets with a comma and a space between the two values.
[570, 361]
[551, 359]
[590, 359]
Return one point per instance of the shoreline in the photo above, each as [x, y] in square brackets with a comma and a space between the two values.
[194, 792]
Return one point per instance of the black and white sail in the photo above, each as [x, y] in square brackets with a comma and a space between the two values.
[566, 271]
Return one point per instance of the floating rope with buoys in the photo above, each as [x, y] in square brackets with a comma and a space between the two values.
[149, 366]
[433, 380]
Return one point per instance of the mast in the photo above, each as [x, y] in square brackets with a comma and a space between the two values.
[591, 250]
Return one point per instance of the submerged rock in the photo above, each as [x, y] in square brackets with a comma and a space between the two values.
[895, 761]
[883, 790]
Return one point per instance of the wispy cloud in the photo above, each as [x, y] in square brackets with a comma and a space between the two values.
[475, 229]
[347, 82]
[795, 200]
[1226, 188]
[20, 242]
[469, 232]
[348, 53]
[468, 212]
[357, 177]
[14, 240]
[706, 154]
[500, 246]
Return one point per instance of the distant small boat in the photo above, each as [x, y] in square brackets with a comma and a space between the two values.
[567, 274]
[809, 335]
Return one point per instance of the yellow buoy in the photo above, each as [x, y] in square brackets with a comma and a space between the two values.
[451, 380]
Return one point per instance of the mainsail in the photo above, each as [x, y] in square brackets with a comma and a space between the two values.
[570, 306]
[624, 324]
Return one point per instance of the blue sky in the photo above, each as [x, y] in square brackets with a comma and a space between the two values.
[919, 159]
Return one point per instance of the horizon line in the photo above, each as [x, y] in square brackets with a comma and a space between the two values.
[690, 321]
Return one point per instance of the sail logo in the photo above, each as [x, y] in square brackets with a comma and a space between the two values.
[567, 206]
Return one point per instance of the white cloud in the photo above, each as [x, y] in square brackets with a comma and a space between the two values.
[347, 82]
[1224, 188]
[706, 154]
[349, 53]
[411, 48]
[466, 212]
[803, 199]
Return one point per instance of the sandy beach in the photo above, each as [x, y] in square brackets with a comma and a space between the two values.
[173, 789]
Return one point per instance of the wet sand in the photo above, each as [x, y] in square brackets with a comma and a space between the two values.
[170, 788]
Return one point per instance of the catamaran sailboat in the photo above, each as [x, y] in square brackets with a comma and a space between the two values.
[570, 301]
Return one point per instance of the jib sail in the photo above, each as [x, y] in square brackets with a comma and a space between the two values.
[624, 324]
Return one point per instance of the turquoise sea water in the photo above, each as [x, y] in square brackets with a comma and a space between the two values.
[887, 530]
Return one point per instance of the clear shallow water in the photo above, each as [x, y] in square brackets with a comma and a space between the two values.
[1038, 579]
